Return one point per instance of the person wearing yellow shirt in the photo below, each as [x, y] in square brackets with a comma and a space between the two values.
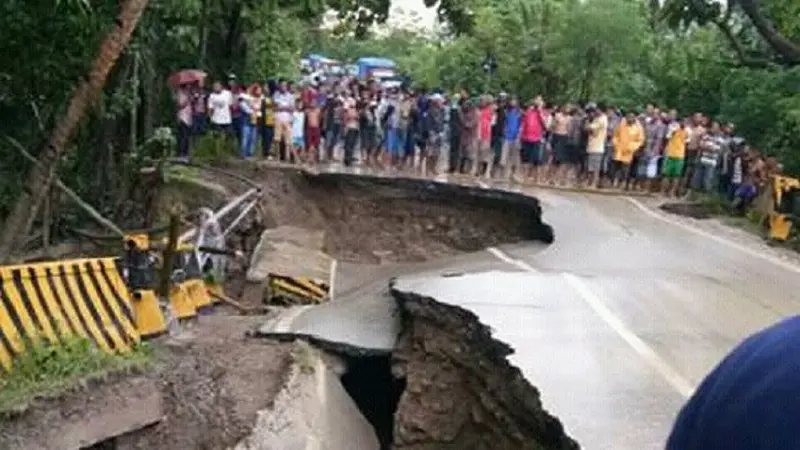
[267, 123]
[628, 139]
[674, 156]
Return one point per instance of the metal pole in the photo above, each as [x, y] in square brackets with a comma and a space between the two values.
[241, 216]
[222, 212]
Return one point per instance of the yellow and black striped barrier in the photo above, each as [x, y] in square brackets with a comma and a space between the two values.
[56, 300]
[295, 290]
[785, 206]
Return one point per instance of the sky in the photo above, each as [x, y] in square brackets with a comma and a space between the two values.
[425, 17]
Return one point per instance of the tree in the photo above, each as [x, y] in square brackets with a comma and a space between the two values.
[776, 25]
[41, 176]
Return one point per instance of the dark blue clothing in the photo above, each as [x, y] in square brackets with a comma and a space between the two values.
[751, 400]
[513, 123]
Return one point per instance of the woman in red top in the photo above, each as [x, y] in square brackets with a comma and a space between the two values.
[531, 137]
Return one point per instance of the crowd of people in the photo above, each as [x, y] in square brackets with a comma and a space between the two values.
[590, 145]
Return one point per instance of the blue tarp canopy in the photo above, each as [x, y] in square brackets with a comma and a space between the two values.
[377, 62]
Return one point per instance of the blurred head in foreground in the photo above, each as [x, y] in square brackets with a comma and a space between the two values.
[751, 400]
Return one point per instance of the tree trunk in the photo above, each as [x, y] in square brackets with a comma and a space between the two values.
[788, 50]
[41, 176]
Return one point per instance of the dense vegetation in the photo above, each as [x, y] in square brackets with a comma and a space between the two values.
[741, 63]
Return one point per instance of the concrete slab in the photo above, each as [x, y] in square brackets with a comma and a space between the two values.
[312, 412]
[290, 251]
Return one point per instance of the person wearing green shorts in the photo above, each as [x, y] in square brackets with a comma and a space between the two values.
[673, 167]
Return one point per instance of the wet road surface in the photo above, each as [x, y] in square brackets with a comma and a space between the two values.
[615, 323]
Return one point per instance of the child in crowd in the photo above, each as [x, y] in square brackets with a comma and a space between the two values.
[298, 132]
[313, 132]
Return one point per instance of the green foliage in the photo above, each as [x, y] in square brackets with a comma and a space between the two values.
[213, 148]
[48, 369]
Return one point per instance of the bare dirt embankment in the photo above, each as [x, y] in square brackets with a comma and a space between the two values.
[461, 392]
[373, 219]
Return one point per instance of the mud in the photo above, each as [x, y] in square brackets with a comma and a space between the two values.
[461, 392]
[211, 381]
[695, 210]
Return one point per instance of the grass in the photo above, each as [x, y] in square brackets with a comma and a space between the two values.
[48, 370]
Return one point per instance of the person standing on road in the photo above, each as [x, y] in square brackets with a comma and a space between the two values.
[596, 125]
[711, 148]
[674, 154]
[485, 156]
[455, 125]
[434, 118]
[285, 106]
[531, 137]
[628, 139]
[510, 154]
[469, 136]
[351, 129]
[498, 130]
[313, 131]
[559, 138]
[647, 161]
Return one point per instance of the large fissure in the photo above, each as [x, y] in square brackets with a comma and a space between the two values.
[376, 392]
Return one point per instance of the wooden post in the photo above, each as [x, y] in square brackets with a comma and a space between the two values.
[168, 255]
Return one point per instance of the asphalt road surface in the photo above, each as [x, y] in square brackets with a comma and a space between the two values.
[616, 322]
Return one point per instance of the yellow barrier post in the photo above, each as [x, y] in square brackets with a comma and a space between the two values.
[193, 285]
[150, 319]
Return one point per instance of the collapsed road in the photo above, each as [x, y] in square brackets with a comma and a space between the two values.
[452, 326]
[615, 322]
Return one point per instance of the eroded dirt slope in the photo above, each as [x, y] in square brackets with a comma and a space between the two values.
[375, 220]
[461, 392]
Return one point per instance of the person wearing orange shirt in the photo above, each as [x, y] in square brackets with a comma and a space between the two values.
[628, 139]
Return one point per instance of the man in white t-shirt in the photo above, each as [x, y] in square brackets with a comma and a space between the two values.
[219, 107]
[284, 109]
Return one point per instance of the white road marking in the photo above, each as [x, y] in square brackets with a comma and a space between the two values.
[675, 379]
[509, 260]
[332, 279]
[670, 375]
[728, 243]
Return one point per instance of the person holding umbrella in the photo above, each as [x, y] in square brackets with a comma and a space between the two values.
[182, 83]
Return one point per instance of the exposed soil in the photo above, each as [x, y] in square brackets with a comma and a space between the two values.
[461, 392]
[212, 380]
[375, 220]
[695, 210]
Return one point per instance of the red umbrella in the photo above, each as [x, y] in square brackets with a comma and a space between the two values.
[187, 77]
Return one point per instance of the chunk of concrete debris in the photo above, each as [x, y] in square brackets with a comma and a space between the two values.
[289, 251]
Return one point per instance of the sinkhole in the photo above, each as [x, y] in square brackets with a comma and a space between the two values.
[375, 391]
